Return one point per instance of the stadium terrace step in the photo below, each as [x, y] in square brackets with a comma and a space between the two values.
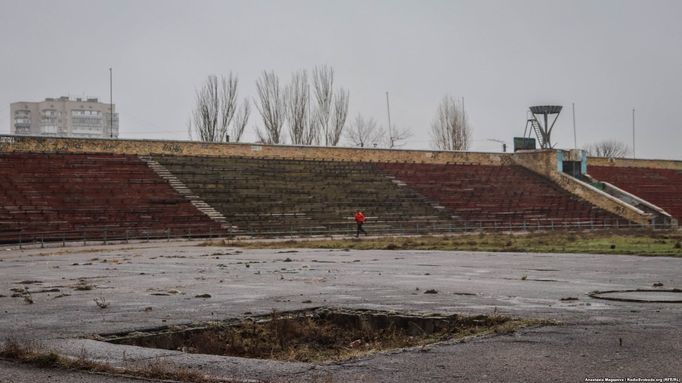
[71, 195]
[74, 196]
[504, 194]
[661, 187]
[288, 195]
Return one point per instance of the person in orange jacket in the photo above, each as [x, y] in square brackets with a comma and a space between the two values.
[360, 220]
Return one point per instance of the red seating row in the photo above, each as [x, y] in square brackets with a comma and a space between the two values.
[505, 194]
[67, 195]
[662, 187]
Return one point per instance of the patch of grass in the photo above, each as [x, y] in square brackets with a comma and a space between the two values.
[631, 243]
[28, 353]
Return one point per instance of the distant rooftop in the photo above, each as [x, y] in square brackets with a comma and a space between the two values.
[77, 99]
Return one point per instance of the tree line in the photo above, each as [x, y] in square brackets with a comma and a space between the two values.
[311, 110]
[308, 110]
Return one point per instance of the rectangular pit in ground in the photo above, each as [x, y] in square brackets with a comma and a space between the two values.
[317, 335]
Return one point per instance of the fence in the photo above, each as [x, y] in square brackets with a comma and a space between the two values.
[111, 236]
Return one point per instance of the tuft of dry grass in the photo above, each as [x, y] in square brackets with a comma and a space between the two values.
[28, 298]
[101, 302]
[28, 353]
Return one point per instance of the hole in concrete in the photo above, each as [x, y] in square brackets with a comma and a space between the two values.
[640, 295]
[317, 335]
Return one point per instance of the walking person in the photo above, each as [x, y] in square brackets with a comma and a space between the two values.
[360, 220]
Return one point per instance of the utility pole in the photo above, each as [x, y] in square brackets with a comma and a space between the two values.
[633, 133]
[575, 137]
[111, 103]
[390, 131]
[463, 113]
[309, 119]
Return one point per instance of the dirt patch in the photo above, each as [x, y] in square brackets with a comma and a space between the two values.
[318, 335]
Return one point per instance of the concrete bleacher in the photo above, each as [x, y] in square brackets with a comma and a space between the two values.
[281, 196]
[662, 187]
[72, 196]
[91, 196]
[498, 195]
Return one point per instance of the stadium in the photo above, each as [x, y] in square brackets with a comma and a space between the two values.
[206, 262]
[59, 189]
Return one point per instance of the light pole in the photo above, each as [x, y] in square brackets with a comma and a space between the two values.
[111, 103]
[575, 136]
[390, 131]
[633, 133]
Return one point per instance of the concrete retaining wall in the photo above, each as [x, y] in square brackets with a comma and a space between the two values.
[634, 163]
[189, 148]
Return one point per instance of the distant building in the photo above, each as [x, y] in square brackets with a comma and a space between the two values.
[64, 117]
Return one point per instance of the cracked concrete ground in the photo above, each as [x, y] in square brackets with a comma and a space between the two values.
[158, 284]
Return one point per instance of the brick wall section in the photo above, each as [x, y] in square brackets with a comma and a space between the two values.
[633, 163]
[187, 148]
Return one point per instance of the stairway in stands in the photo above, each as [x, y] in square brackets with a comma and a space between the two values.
[183, 190]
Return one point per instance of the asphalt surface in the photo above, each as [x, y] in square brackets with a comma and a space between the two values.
[15, 373]
[156, 284]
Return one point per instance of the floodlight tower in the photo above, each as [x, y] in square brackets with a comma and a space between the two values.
[543, 130]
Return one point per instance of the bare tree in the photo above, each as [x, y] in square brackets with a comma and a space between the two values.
[241, 118]
[364, 132]
[608, 148]
[450, 129]
[213, 117]
[272, 107]
[323, 85]
[297, 106]
[395, 137]
[215, 106]
[338, 117]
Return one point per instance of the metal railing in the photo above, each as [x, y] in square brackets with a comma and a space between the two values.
[105, 236]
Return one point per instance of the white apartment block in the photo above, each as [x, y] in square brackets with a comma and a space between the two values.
[64, 117]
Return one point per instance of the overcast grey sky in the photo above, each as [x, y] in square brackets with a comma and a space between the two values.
[502, 56]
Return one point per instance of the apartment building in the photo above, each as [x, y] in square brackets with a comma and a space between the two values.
[64, 117]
